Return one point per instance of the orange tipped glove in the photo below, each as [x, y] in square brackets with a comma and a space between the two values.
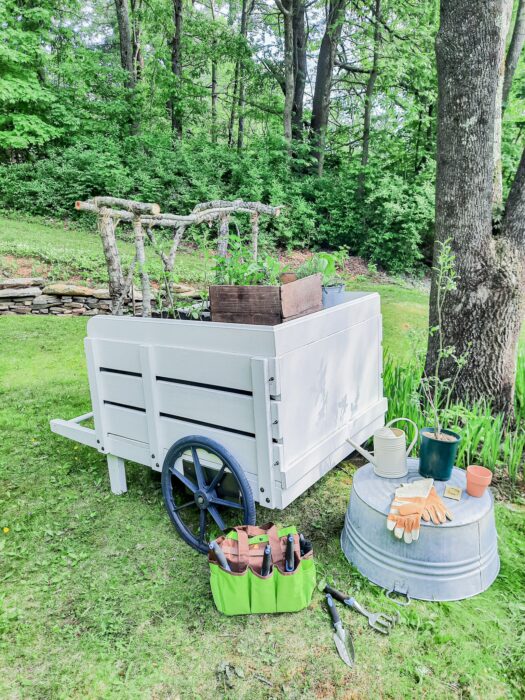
[435, 509]
[407, 509]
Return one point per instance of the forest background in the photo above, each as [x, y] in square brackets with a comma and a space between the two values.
[327, 108]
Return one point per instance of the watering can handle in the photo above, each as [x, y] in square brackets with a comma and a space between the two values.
[395, 420]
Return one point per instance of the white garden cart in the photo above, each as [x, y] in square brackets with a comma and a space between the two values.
[232, 413]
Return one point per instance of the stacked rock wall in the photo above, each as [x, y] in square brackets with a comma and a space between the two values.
[32, 295]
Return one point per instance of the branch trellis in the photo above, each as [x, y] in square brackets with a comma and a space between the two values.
[145, 217]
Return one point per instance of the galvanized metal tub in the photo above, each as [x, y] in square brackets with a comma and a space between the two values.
[452, 561]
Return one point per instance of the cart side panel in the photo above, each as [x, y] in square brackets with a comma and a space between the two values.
[325, 385]
[149, 397]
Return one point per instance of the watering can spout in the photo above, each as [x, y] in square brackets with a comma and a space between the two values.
[369, 457]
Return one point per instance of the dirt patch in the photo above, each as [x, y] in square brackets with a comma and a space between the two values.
[23, 267]
[354, 265]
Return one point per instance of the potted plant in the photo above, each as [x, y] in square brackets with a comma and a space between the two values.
[438, 445]
[248, 290]
[326, 264]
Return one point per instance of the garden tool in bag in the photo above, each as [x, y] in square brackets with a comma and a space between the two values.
[251, 585]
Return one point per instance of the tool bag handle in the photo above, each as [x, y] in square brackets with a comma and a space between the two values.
[238, 544]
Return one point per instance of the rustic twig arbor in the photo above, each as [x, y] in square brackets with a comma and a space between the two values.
[145, 217]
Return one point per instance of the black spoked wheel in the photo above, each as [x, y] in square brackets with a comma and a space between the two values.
[205, 490]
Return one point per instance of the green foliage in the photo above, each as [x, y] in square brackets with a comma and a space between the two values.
[485, 439]
[327, 265]
[239, 266]
[29, 112]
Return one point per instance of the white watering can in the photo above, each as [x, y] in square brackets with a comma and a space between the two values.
[390, 450]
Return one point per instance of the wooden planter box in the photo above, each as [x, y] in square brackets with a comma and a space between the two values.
[266, 305]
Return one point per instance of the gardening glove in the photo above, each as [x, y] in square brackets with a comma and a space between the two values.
[435, 509]
[407, 508]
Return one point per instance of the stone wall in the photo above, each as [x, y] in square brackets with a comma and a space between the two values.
[32, 295]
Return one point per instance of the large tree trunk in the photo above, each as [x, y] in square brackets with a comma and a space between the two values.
[323, 80]
[300, 66]
[369, 95]
[176, 69]
[482, 317]
[515, 49]
[286, 9]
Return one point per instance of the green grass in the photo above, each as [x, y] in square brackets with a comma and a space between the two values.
[78, 252]
[100, 598]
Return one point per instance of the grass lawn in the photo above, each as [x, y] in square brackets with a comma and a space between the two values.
[100, 598]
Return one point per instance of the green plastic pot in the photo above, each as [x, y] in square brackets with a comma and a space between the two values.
[437, 457]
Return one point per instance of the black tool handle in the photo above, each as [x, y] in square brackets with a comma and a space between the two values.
[341, 597]
[289, 562]
[267, 561]
[223, 563]
[333, 610]
[305, 545]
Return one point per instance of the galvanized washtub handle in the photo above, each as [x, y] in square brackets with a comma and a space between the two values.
[407, 420]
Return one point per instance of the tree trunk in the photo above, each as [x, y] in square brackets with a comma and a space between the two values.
[482, 317]
[286, 9]
[300, 67]
[214, 96]
[323, 80]
[125, 40]
[247, 7]
[369, 94]
[176, 69]
[497, 191]
[515, 49]
[136, 39]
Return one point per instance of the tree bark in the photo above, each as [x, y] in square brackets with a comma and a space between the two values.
[214, 96]
[136, 39]
[497, 190]
[176, 69]
[300, 67]
[125, 40]
[286, 9]
[515, 49]
[247, 8]
[369, 95]
[483, 316]
[141, 263]
[323, 80]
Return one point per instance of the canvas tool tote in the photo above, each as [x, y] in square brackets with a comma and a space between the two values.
[243, 590]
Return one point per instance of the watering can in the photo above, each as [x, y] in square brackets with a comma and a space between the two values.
[390, 450]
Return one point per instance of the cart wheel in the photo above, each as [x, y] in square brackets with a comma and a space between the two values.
[205, 490]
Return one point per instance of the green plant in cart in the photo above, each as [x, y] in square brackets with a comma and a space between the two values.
[239, 267]
[327, 265]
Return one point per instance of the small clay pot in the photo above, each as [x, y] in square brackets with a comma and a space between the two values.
[287, 277]
[478, 478]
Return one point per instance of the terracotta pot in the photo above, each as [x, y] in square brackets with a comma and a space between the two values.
[478, 478]
[288, 277]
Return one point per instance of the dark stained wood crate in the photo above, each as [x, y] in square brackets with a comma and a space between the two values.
[266, 305]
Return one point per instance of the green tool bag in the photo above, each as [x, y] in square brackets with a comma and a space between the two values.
[243, 590]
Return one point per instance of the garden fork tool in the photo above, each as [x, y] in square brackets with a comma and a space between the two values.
[378, 621]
